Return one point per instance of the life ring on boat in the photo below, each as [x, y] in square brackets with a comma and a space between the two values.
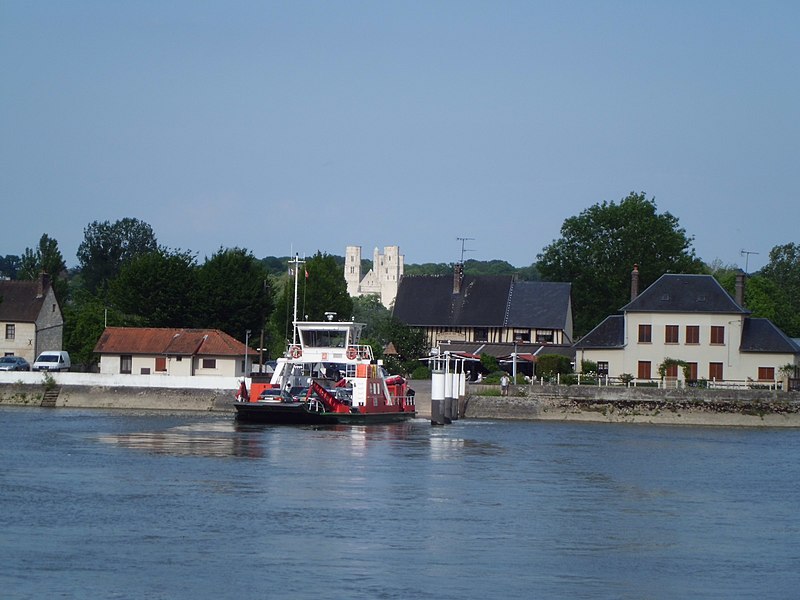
[295, 351]
[352, 353]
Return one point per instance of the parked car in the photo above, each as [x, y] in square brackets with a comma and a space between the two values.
[14, 363]
[52, 360]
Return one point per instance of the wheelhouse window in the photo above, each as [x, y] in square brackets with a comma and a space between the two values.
[671, 334]
[11, 331]
[717, 335]
[644, 369]
[125, 364]
[692, 334]
[645, 334]
[715, 371]
[766, 373]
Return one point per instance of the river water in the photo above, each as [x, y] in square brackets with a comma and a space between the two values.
[123, 504]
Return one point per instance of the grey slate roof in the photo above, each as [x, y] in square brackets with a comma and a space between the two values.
[685, 294]
[484, 301]
[20, 302]
[546, 302]
[610, 333]
[761, 335]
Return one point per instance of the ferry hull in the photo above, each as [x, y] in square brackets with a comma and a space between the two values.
[298, 414]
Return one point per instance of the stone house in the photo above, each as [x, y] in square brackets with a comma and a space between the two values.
[692, 319]
[170, 351]
[30, 318]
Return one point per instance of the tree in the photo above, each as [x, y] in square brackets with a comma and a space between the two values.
[232, 293]
[157, 287]
[783, 271]
[46, 258]
[106, 247]
[85, 318]
[9, 265]
[598, 248]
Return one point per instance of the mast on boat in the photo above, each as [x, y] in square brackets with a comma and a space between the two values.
[296, 262]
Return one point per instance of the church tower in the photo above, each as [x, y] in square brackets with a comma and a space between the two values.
[383, 278]
[352, 269]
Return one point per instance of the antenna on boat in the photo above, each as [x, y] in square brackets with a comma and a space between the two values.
[296, 262]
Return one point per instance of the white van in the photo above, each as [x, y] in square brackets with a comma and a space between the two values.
[52, 360]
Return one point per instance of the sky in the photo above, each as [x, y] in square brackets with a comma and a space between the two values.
[305, 126]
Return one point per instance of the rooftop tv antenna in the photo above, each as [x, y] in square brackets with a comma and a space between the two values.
[746, 254]
[463, 241]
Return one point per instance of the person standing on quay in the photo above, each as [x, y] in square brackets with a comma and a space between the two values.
[504, 381]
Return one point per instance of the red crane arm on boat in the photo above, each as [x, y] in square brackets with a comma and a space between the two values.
[328, 399]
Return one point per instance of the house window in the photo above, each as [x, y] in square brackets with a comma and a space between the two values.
[481, 334]
[602, 367]
[545, 336]
[522, 335]
[671, 372]
[125, 364]
[692, 334]
[11, 331]
[766, 373]
[645, 334]
[644, 369]
[715, 371]
[692, 371]
[161, 364]
[717, 334]
[671, 334]
[209, 363]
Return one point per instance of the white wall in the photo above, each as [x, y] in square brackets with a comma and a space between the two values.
[104, 380]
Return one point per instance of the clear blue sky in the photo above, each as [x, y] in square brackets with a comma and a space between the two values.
[301, 126]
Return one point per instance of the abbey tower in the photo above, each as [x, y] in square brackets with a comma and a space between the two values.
[382, 280]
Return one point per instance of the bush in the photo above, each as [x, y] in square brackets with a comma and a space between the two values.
[421, 372]
[551, 364]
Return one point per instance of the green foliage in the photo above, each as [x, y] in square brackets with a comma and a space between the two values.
[369, 310]
[421, 372]
[783, 272]
[626, 378]
[489, 363]
[588, 366]
[232, 293]
[598, 248]
[669, 362]
[85, 317]
[549, 365]
[46, 258]
[108, 246]
[157, 287]
[9, 265]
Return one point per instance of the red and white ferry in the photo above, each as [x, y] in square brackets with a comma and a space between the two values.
[326, 377]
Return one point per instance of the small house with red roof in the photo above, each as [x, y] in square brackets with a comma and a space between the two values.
[171, 351]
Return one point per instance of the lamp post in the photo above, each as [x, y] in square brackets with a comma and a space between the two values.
[246, 350]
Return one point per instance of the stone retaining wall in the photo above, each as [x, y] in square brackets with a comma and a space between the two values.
[149, 398]
[617, 404]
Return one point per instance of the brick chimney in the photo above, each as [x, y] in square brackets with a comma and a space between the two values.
[458, 276]
[44, 284]
[740, 288]
[634, 282]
